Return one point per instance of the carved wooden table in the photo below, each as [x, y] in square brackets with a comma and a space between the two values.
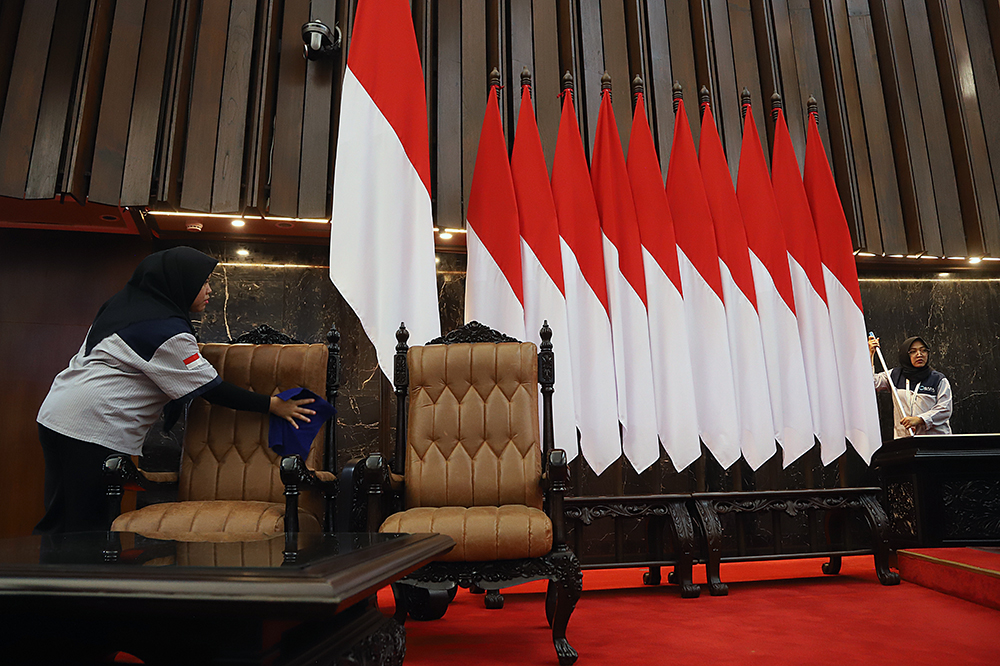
[942, 490]
[80, 597]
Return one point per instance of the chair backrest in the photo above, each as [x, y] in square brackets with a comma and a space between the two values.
[225, 453]
[473, 434]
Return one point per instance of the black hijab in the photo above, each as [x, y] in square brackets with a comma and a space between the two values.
[910, 371]
[164, 285]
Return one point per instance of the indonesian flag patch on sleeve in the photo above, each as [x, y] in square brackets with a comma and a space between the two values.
[191, 359]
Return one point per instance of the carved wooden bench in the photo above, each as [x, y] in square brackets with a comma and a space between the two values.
[707, 508]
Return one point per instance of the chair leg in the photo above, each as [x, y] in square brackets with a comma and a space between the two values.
[402, 609]
[569, 586]
[551, 597]
[493, 600]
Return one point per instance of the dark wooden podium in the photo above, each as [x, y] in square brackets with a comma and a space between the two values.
[941, 490]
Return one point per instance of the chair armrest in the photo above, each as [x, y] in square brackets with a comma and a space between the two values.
[557, 475]
[294, 471]
[120, 470]
[384, 490]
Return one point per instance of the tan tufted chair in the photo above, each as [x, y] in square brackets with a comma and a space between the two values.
[229, 484]
[473, 471]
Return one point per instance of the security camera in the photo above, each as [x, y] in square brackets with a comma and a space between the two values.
[320, 39]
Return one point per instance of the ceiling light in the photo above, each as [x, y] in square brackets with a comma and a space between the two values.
[238, 223]
[975, 260]
[444, 235]
[865, 254]
[243, 253]
[927, 256]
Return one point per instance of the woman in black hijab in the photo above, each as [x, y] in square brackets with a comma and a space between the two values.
[139, 355]
[925, 394]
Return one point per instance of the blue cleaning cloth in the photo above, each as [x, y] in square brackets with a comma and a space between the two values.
[284, 438]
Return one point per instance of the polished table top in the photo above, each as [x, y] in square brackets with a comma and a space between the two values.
[310, 573]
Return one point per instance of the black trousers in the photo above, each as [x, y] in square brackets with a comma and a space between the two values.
[75, 499]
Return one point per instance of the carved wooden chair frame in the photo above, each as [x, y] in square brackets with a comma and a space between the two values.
[425, 593]
[121, 473]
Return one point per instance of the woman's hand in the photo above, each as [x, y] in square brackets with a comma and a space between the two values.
[911, 421]
[872, 346]
[290, 410]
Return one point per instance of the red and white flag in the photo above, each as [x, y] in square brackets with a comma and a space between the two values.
[786, 373]
[586, 296]
[843, 294]
[698, 258]
[541, 265]
[757, 432]
[673, 381]
[626, 281]
[811, 311]
[381, 229]
[493, 290]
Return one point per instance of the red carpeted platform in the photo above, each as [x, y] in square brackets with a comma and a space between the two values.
[967, 573]
[784, 612]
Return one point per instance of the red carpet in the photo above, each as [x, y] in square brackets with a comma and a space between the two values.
[967, 573]
[784, 612]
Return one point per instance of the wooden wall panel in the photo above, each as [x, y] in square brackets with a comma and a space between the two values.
[24, 95]
[659, 82]
[521, 56]
[314, 178]
[116, 103]
[547, 75]
[683, 64]
[963, 122]
[588, 83]
[987, 89]
[262, 101]
[616, 63]
[176, 105]
[449, 126]
[203, 121]
[807, 67]
[745, 51]
[144, 126]
[286, 157]
[916, 188]
[50, 132]
[932, 111]
[10, 24]
[229, 147]
[876, 129]
[474, 81]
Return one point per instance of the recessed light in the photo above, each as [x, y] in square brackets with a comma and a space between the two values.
[109, 218]
[444, 235]
[284, 224]
[975, 260]
[243, 253]
[238, 223]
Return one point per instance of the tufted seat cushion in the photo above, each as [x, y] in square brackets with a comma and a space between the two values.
[481, 533]
[210, 520]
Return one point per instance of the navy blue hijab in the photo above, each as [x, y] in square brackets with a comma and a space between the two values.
[163, 285]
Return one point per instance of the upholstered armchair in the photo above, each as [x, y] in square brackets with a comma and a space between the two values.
[469, 444]
[230, 483]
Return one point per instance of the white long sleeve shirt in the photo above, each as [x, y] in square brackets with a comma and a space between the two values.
[932, 405]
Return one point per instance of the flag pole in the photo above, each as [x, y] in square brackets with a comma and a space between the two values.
[895, 395]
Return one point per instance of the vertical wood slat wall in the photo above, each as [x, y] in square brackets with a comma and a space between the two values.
[208, 105]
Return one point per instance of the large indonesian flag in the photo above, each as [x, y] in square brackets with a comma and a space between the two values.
[753, 401]
[840, 277]
[541, 266]
[493, 291]
[698, 258]
[626, 282]
[786, 373]
[381, 230]
[673, 383]
[586, 296]
[811, 311]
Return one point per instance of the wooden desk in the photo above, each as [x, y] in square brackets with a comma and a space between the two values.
[941, 490]
[82, 596]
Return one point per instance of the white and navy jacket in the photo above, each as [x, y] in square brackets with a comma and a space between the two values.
[930, 400]
[114, 394]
